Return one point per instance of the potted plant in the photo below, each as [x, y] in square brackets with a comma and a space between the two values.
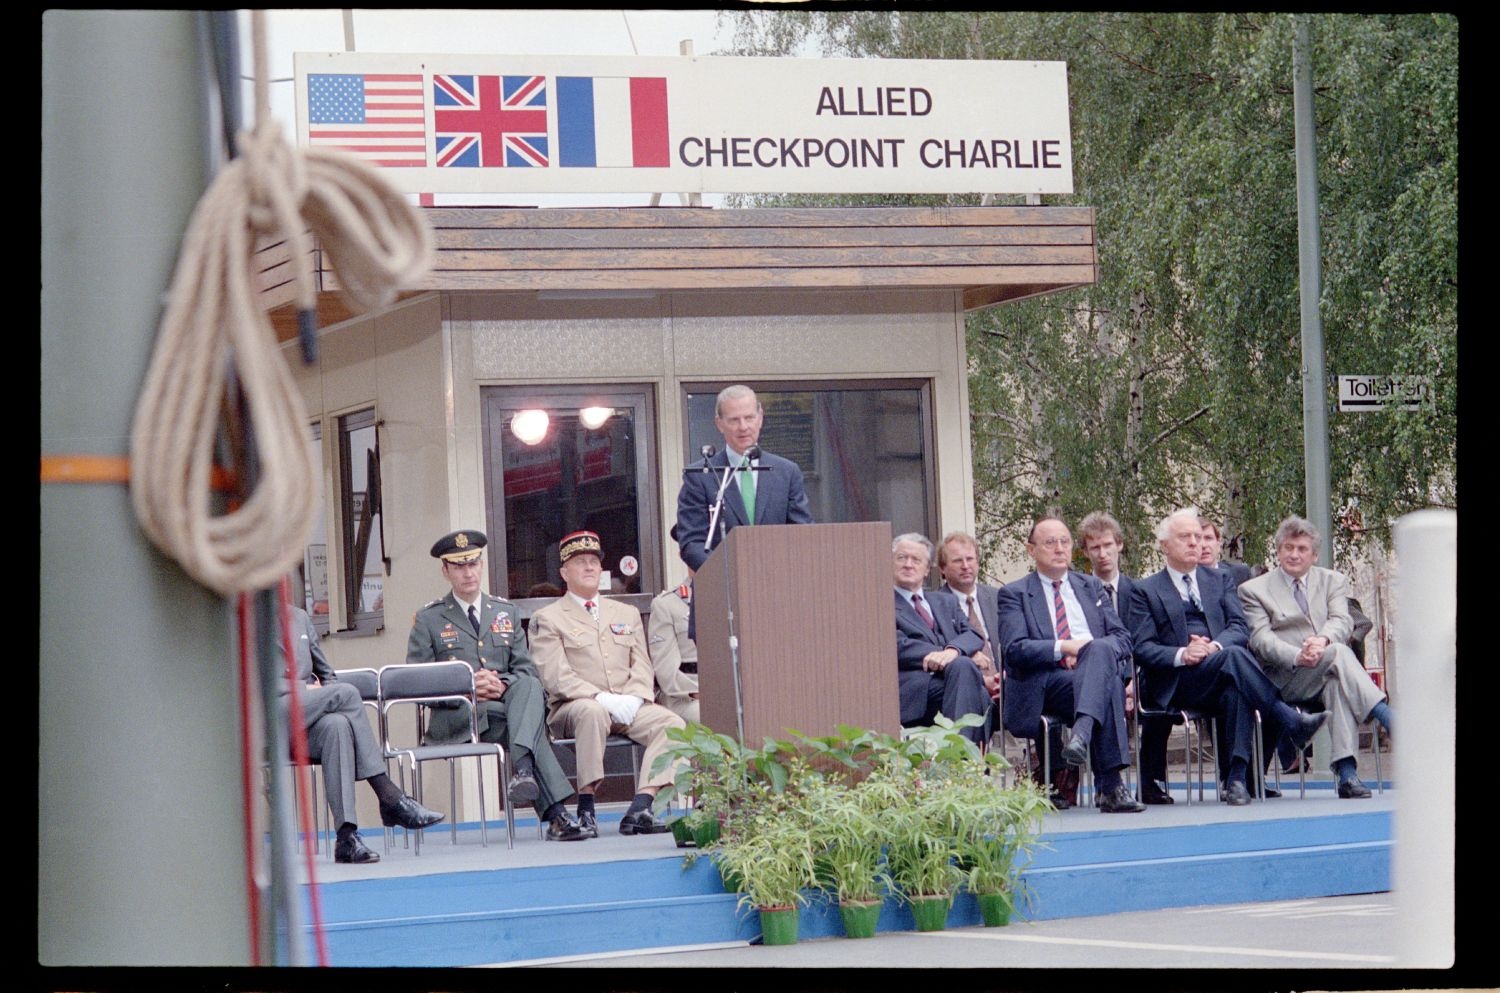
[848, 839]
[769, 849]
[995, 845]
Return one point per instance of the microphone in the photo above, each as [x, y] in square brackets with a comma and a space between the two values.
[707, 451]
[754, 453]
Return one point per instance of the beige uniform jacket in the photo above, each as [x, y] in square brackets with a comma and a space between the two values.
[578, 657]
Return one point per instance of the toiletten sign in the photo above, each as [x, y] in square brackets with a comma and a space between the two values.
[554, 124]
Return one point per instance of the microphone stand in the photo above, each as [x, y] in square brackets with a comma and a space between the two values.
[715, 523]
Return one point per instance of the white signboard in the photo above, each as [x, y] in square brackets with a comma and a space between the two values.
[558, 124]
[1358, 393]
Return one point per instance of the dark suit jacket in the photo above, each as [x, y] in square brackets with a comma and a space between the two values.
[1028, 631]
[1158, 627]
[779, 499]
[915, 640]
[1238, 572]
[988, 599]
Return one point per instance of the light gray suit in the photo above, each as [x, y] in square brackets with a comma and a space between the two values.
[338, 731]
[1277, 629]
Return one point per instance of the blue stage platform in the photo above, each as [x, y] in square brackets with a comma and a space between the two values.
[465, 904]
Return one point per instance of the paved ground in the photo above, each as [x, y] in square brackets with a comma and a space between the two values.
[1330, 933]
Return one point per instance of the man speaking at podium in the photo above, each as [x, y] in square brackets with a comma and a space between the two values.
[771, 495]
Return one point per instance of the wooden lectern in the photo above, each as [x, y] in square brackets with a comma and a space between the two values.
[812, 607]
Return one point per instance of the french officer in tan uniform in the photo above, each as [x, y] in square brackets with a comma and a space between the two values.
[592, 656]
[470, 626]
[673, 654]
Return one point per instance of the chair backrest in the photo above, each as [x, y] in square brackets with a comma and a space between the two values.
[366, 681]
[426, 682]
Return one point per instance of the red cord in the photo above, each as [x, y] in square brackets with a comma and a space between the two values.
[298, 731]
[247, 796]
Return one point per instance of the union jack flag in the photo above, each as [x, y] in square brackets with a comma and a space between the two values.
[490, 121]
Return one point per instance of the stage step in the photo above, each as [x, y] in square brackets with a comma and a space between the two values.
[548, 912]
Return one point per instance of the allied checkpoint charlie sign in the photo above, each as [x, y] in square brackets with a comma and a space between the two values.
[553, 124]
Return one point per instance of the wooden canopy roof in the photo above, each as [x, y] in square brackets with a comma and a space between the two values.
[991, 254]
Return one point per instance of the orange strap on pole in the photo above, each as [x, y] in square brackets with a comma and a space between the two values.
[111, 469]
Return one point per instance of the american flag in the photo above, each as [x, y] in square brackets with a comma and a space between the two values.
[490, 121]
[379, 117]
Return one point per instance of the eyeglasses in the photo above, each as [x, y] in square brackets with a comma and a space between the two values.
[1055, 543]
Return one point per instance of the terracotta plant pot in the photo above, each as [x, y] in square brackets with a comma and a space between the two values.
[778, 925]
[994, 908]
[930, 912]
[860, 917]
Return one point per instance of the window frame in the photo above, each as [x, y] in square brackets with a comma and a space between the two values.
[356, 623]
[496, 401]
[922, 385]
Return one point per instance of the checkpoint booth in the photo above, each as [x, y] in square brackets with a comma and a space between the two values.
[558, 366]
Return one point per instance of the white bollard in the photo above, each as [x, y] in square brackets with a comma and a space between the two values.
[1425, 589]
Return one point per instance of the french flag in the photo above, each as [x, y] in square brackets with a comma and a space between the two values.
[612, 121]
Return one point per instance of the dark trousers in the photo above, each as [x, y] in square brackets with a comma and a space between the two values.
[1230, 685]
[954, 692]
[1094, 688]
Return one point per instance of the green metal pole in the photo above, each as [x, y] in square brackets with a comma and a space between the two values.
[140, 829]
[1314, 379]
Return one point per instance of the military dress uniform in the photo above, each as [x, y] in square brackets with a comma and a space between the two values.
[673, 654]
[579, 657]
[441, 632]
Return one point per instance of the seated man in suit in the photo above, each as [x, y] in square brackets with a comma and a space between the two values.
[1190, 643]
[592, 655]
[340, 740]
[935, 646]
[958, 562]
[1299, 629]
[1066, 653]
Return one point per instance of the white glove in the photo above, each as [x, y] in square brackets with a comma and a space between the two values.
[622, 709]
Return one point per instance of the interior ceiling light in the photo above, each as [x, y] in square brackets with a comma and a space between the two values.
[530, 426]
[594, 418]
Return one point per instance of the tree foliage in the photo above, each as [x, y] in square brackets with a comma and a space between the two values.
[1177, 379]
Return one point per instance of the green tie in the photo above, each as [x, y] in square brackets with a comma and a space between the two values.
[747, 494]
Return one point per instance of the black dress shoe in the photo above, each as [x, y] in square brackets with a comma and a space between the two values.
[409, 814]
[1076, 752]
[589, 823]
[523, 788]
[565, 827]
[642, 822]
[1353, 789]
[1235, 794]
[1119, 801]
[1307, 725]
[353, 850]
[1058, 800]
[1153, 794]
[1271, 792]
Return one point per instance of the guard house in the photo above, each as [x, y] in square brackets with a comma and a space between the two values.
[558, 367]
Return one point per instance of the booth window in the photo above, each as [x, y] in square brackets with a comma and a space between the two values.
[560, 459]
[865, 447]
[314, 571]
[363, 559]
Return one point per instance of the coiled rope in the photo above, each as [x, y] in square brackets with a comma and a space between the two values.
[376, 242]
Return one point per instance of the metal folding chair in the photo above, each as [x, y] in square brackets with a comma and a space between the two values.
[429, 683]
